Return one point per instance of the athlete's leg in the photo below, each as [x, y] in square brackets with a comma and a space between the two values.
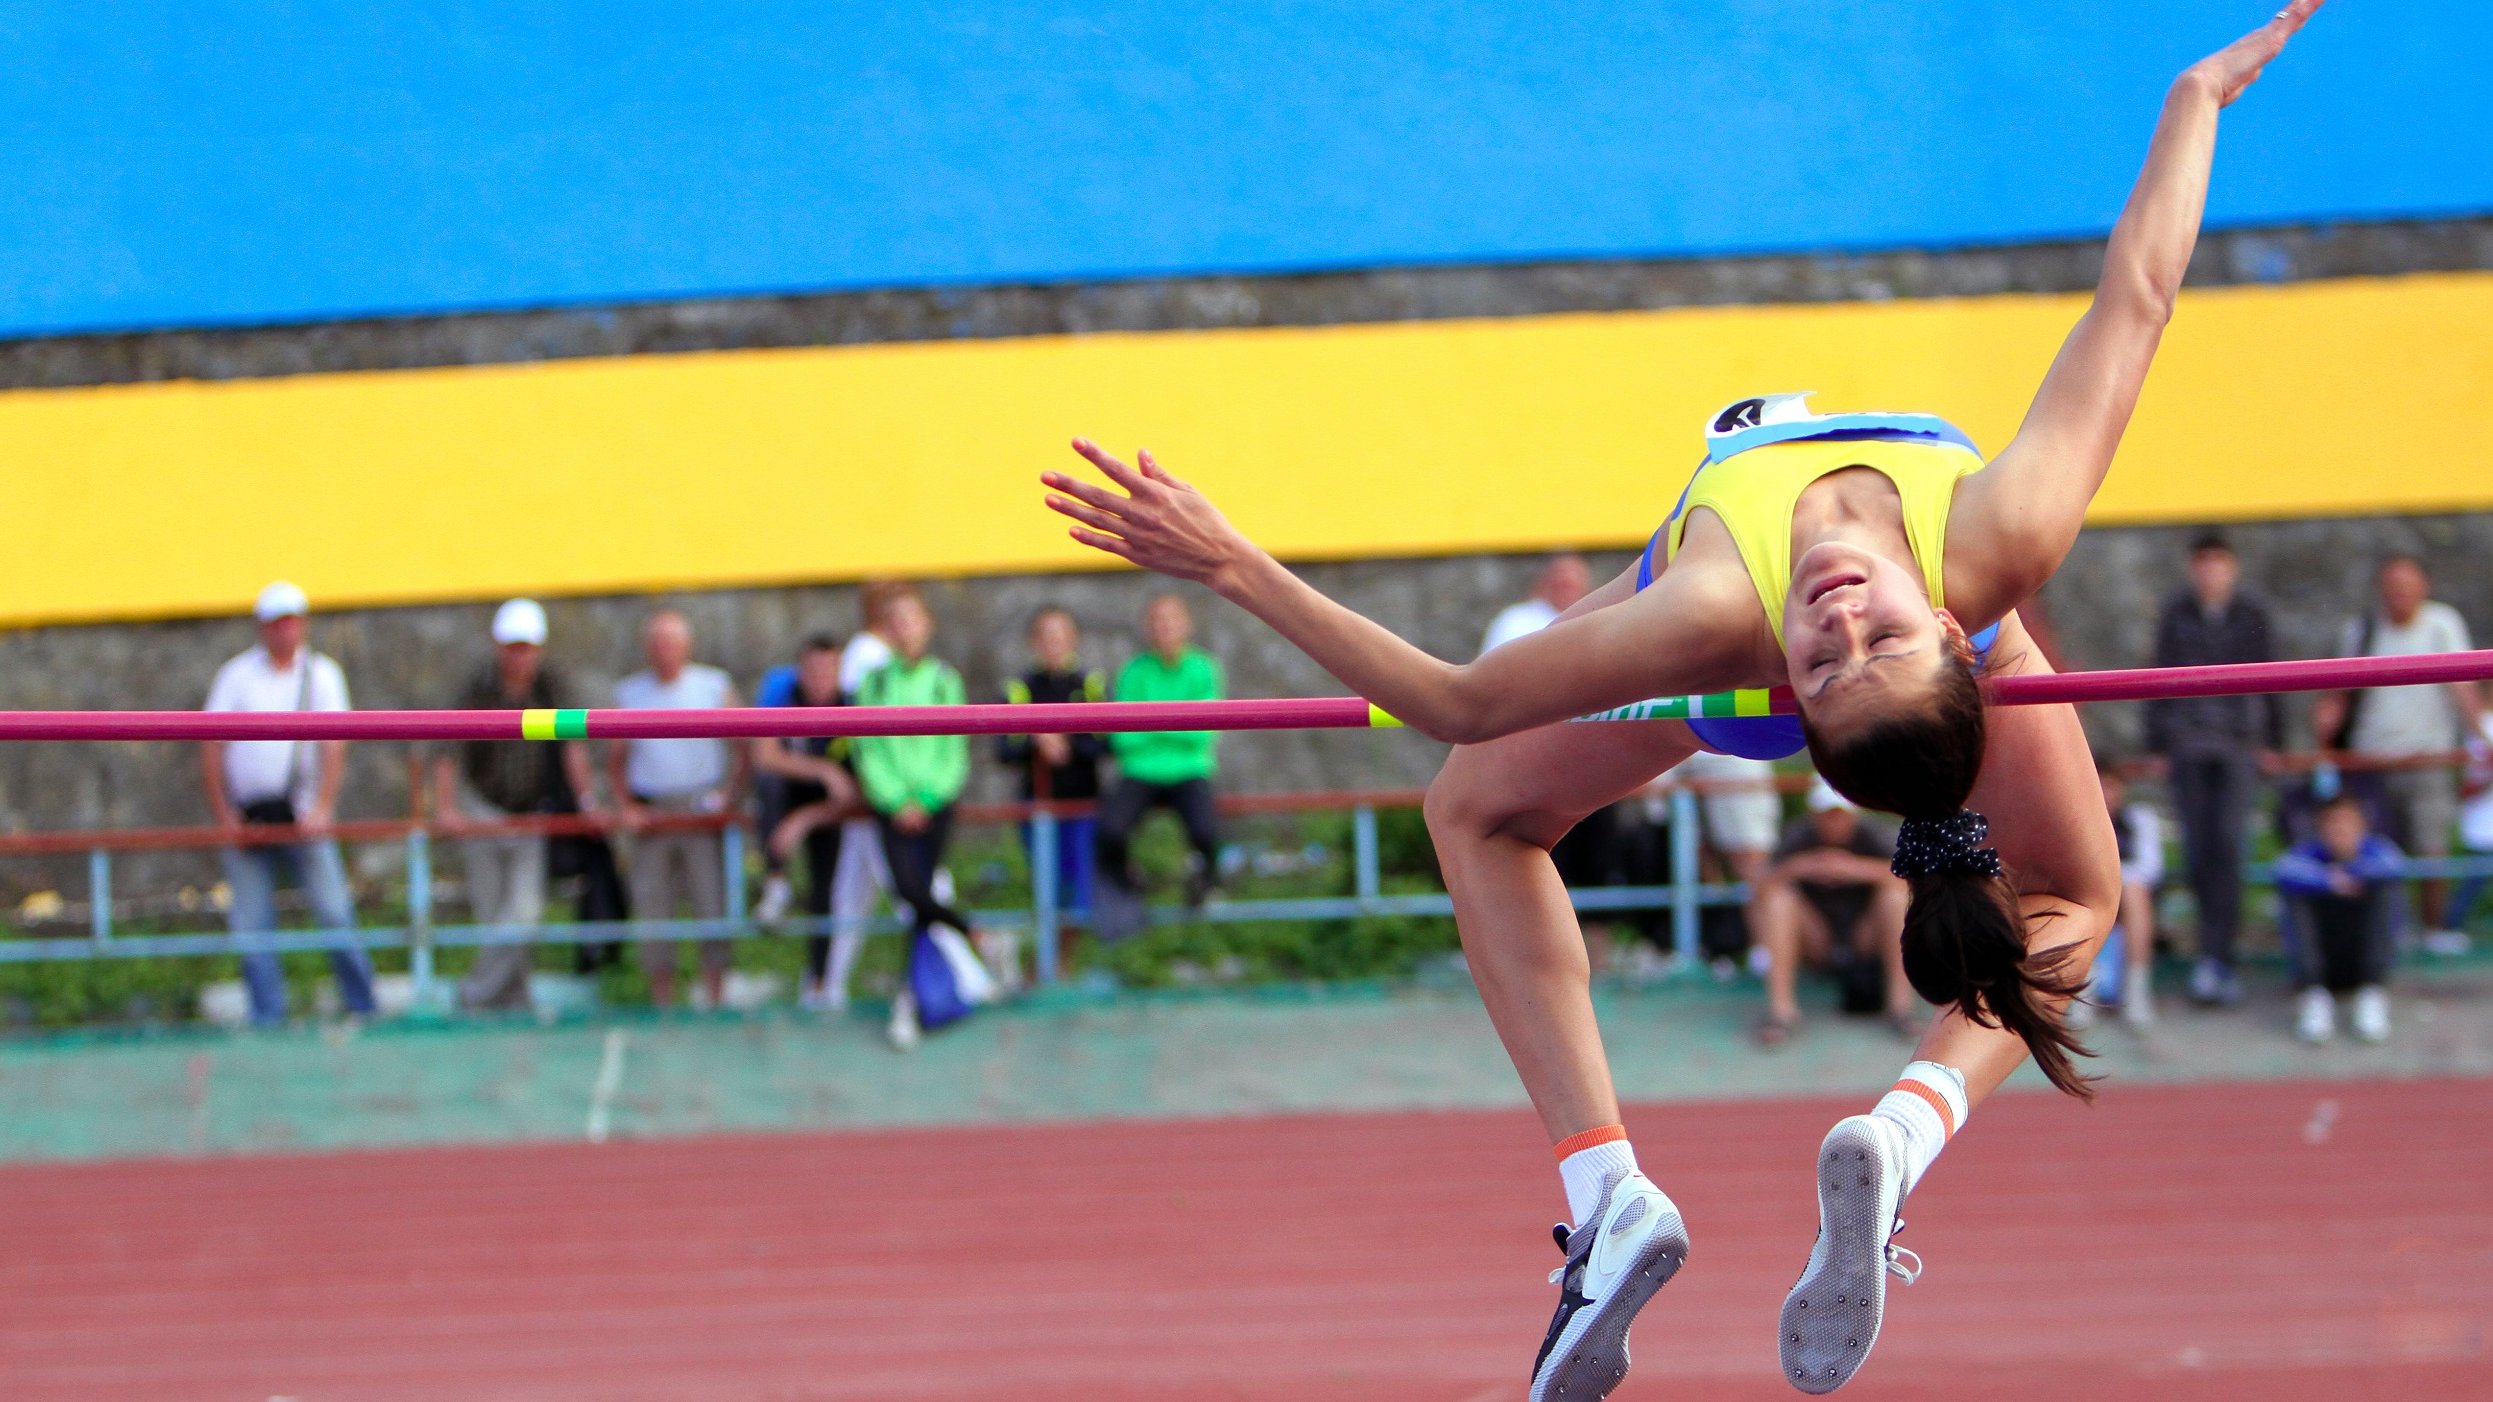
[1494, 812]
[2053, 835]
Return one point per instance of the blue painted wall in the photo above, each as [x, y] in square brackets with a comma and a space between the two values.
[201, 163]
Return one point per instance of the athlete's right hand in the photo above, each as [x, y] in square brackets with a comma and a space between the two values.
[1158, 522]
[2226, 72]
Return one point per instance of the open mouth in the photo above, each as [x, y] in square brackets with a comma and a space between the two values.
[1834, 582]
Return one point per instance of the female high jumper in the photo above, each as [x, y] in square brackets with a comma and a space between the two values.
[1873, 563]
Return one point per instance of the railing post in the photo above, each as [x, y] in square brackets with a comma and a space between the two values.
[420, 912]
[99, 895]
[1684, 874]
[1044, 897]
[731, 853]
[1363, 852]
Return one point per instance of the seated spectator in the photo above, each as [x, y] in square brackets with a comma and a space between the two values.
[664, 778]
[1830, 899]
[1170, 768]
[912, 782]
[2343, 885]
[493, 781]
[2124, 972]
[1059, 766]
[814, 793]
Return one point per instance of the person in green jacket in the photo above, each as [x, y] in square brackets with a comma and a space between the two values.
[912, 782]
[1164, 769]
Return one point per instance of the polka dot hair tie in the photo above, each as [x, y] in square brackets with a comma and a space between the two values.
[1945, 846]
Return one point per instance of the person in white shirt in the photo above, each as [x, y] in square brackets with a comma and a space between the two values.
[673, 777]
[2419, 806]
[1562, 581]
[287, 785]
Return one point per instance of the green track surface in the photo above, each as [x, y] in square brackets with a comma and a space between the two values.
[1058, 1057]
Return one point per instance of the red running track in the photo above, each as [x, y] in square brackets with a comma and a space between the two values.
[2270, 1240]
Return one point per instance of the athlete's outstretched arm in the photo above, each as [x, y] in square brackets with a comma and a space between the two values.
[1673, 638]
[2025, 508]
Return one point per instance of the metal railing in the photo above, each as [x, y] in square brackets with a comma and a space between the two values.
[1684, 896]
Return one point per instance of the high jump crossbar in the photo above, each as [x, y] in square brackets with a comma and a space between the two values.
[1097, 717]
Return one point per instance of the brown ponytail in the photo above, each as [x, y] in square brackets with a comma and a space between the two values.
[1964, 937]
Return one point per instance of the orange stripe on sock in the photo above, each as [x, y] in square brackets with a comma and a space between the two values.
[1578, 1143]
[1938, 1102]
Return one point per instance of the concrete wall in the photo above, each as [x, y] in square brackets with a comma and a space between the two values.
[2103, 605]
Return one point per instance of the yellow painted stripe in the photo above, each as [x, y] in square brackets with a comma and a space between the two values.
[1752, 703]
[1378, 720]
[2360, 396]
[536, 725]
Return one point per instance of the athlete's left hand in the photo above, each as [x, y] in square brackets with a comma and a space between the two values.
[1158, 522]
[2226, 72]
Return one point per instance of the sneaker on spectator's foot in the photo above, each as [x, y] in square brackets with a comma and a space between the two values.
[2214, 984]
[2315, 1016]
[1832, 1315]
[903, 1028]
[2079, 1013]
[1198, 888]
[2137, 1007]
[2371, 1013]
[2449, 944]
[1630, 1247]
[773, 907]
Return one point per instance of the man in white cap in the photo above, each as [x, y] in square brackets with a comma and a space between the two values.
[1830, 898]
[492, 781]
[282, 784]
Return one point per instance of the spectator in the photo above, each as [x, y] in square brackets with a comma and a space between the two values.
[1164, 769]
[1829, 898]
[2213, 748]
[2344, 887]
[493, 781]
[1059, 766]
[912, 782]
[670, 778]
[282, 784]
[862, 876]
[1742, 816]
[2419, 806]
[813, 794]
[2124, 973]
[1563, 580]
[2475, 826]
[1592, 853]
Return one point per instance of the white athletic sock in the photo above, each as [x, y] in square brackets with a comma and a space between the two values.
[1587, 1163]
[1928, 1105]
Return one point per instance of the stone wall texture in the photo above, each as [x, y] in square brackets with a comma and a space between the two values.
[2102, 606]
[2103, 602]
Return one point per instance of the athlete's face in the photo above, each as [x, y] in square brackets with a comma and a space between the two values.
[1860, 638]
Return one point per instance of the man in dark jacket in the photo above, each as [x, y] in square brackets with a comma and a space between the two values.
[1059, 766]
[2215, 747]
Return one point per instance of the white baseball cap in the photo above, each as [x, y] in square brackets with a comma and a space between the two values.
[520, 621]
[280, 600]
[1824, 799]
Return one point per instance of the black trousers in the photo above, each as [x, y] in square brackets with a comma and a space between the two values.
[822, 858]
[2214, 794]
[1126, 805]
[913, 858]
[2345, 942]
